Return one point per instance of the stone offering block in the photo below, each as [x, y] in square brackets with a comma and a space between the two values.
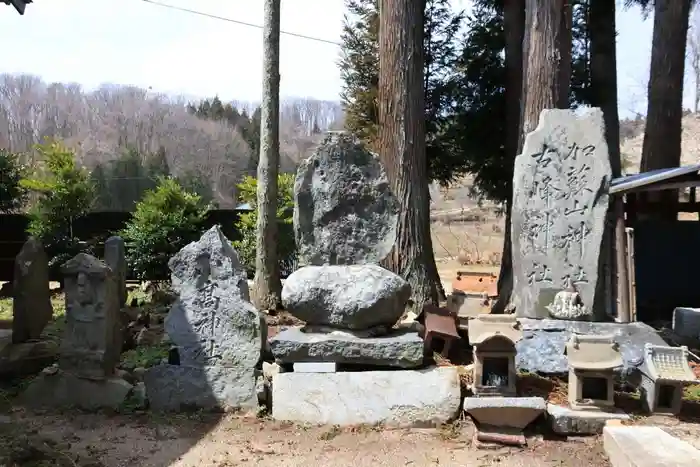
[351, 297]
[31, 305]
[401, 349]
[542, 348]
[172, 388]
[393, 398]
[27, 358]
[344, 210]
[560, 203]
[686, 322]
[507, 412]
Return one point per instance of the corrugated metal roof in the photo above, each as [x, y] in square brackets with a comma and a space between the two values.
[244, 207]
[627, 183]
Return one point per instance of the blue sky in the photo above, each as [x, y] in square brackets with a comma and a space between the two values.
[133, 42]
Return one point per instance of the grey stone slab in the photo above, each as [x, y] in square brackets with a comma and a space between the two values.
[686, 322]
[351, 297]
[92, 340]
[647, 446]
[344, 210]
[60, 389]
[560, 203]
[214, 325]
[567, 421]
[541, 349]
[115, 258]
[174, 388]
[394, 398]
[511, 412]
[31, 304]
[211, 258]
[402, 349]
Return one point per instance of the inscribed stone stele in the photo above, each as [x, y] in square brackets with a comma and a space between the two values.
[560, 202]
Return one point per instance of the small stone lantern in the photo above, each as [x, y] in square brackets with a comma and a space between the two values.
[493, 338]
[663, 375]
[592, 361]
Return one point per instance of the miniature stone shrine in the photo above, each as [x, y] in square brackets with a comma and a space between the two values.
[91, 343]
[219, 335]
[26, 352]
[560, 203]
[493, 338]
[592, 361]
[345, 219]
[663, 376]
[114, 257]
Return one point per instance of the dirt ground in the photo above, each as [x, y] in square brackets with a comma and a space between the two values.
[148, 441]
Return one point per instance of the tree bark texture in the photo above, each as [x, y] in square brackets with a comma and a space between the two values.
[514, 25]
[565, 46]
[604, 95]
[267, 286]
[662, 136]
[402, 144]
[542, 61]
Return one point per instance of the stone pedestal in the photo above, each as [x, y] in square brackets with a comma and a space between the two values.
[393, 398]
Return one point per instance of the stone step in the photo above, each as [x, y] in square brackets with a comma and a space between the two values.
[567, 421]
[647, 446]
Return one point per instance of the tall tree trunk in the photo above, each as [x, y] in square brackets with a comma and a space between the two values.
[662, 136]
[541, 62]
[267, 286]
[402, 144]
[514, 26]
[604, 95]
[541, 72]
[565, 45]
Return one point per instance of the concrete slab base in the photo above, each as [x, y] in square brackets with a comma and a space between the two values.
[393, 398]
[647, 446]
[567, 421]
[315, 367]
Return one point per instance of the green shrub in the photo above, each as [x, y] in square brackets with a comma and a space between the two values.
[164, 221]
[12, 194]
[64, 194]
[247, 224]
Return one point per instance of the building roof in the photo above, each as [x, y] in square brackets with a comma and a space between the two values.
[18, 4]
[675, 177]
[593, 352]
[668, 363]
[486, 327]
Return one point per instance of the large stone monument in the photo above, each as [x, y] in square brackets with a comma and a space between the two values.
[345, 219]
[219, 334]
[560, 203]
[115, 258]
[91, 343]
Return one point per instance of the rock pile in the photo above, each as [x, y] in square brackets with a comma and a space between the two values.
[345, 222]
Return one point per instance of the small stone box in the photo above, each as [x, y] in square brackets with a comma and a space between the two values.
[493, 338]
[592, 361]
[664, 373]
[440, 328]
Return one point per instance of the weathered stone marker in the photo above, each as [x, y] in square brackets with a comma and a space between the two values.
[31, 308]
[91, 344]
[560, 203]
[344, 210]
[219, 334]
[115, 258]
